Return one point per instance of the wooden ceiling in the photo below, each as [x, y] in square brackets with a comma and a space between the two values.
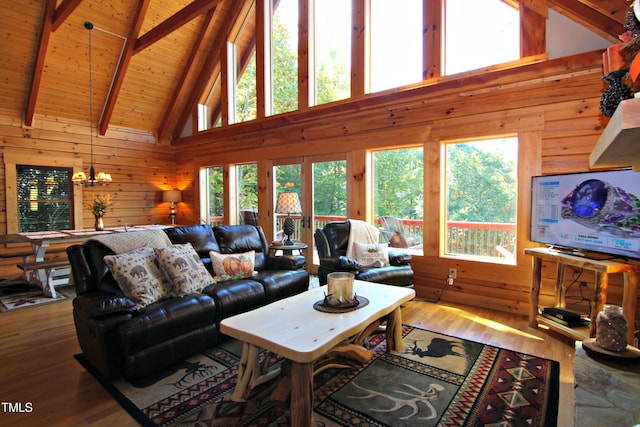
[152, 60]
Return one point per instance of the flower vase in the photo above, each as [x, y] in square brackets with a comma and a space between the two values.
[99, 225]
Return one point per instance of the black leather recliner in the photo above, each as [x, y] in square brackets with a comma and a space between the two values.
[332, 242]
[120, 339]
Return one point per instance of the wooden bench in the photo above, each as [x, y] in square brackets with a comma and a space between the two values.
[47, 273]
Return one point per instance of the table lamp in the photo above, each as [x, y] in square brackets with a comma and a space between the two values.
[173, 196]
[288, 202]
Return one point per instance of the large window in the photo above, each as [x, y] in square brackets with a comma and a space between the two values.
[284, 41]
[45, 198]
[247, 189]
[212, 195]
[398, 196]
[332, 50]
[480, 33]
[481, 198]
[396, 43]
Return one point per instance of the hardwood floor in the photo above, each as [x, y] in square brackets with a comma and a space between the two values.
[38, 344]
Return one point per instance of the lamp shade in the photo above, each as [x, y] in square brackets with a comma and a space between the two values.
[173, 196]
[288, 202]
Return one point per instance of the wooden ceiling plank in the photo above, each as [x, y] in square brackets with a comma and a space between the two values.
[38, 65]
[592, 19]
[63, 11]
[171, 109]
[112, 97]
[212, 58]
[193, 10]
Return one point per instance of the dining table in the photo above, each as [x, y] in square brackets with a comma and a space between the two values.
[40, 242]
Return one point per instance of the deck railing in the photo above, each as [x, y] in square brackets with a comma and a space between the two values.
[491, 239]
[464, 238]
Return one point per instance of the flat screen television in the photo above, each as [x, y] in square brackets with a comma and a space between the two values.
[597, 212]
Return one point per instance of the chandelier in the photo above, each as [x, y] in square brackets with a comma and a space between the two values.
[80, 178]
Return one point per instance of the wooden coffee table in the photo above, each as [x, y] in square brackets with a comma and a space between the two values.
[295, 330]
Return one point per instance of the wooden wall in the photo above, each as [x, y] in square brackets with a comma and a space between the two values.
[140, 169]
[553, 106]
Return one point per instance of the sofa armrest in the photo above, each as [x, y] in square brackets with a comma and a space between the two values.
[341, 263]
[286, 262]
[98, 304]
[399, 258]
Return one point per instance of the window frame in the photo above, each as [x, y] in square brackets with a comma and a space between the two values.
[14, 158]
[443, 228]
[371, 190]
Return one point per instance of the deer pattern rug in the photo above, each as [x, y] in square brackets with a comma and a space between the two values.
[438, 380]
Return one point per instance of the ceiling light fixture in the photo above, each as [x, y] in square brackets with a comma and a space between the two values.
[80, 178]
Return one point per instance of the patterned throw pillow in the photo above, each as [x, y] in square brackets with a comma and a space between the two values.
[137, 275]
[372, 255]
[232, 266]
[182, 269]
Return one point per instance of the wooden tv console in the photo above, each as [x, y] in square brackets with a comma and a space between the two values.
[602, 269]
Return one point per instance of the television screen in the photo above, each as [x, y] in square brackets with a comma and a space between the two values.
[592, 211]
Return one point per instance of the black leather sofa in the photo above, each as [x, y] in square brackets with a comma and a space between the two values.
[332, 241]
[120, 339]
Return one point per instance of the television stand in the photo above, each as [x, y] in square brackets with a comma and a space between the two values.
[602, 269]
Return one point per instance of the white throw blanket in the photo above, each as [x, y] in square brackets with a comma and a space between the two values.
[126, 242]
[361, 232]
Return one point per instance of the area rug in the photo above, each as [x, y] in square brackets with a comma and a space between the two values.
[22, 295]
[439, 380]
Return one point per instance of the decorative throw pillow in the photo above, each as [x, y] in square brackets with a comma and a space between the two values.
[232, 266]
[372, 255]
[182, 268]
[137, 275]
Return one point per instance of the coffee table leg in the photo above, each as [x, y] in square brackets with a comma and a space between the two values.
[301, 394]
[250, 374]
[394, 331]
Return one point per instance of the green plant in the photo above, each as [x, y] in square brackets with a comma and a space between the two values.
[99, 204]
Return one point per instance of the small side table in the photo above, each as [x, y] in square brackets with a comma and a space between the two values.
[287, 249]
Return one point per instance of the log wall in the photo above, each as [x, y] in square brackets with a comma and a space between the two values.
[553, 106]
[139, 167]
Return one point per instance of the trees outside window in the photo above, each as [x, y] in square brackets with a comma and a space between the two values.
[481, 197]
[45, 198]
[284, 40]
[212, 195]
[247, 187]
[332, 40]
[398, 194]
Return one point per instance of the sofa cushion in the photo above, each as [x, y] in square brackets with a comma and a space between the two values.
[233, 239]
[138, 276]
[372, 254]
[232, 266]
[181, 267]
[236, 296]
[199, 235]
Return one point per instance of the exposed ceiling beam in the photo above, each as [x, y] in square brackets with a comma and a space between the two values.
[171, 109]
[212, 58]
[174, 22]
[112, 96]
[38, 65]
[63, 11]
[602, 25]
[614, 9]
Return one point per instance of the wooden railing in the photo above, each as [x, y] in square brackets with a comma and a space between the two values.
[464, 238]
[491, 239]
